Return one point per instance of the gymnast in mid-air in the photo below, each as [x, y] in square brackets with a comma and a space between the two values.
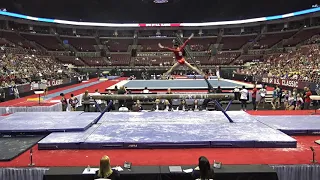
[178, 52]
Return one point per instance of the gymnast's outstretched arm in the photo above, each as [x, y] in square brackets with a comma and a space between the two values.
[185, 43]
[167, 48]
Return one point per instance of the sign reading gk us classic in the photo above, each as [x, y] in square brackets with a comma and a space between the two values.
[281, 82]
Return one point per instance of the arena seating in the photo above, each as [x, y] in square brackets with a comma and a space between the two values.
[302, 36]
[89, 47]
[81, 43]
[224, 58]
[154, 61]
[120, 59]
[201, 44]
[116, 44]
[95, 61]
[49, 42]
[13, 37]
[235, 42]
[248, 58]
[151, 44]
[71, 60]
[27, 67]
[268, 40]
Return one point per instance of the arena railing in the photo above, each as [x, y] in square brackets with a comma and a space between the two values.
[96, 24]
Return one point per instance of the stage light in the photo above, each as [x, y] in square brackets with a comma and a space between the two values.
[160, 1]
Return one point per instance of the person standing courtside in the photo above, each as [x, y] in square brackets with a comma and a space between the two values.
[244, 98]
[121, 91]
[307, 99]
[169, 100]
[86, 101]
[274, 98]
[73, 101]
[236, 92]
[64, 102]
[254, 97]
[2, 95]
[99, 102]
[263, 93]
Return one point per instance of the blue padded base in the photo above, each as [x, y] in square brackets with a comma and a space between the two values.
[171, 130]
[186, 84]
[293, 125]
[46, 122]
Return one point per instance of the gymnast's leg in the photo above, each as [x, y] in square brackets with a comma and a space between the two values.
[194, 68]
[171, 69]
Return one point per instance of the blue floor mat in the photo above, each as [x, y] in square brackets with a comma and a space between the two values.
[171, 130]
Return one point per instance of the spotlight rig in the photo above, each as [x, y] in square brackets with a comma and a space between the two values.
[160, 1]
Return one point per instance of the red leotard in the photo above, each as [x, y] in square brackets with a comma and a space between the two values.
[178, 52]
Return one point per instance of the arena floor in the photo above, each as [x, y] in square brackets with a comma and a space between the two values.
[305, 135]
[181, 84]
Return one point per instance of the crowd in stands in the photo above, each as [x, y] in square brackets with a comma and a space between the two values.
[25, 68]
[300, 64]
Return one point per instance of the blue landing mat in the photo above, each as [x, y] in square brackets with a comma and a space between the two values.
[171, 130]
[293, 125]
[28, 122]
[189, 117]
[66, 140]
[182, 84]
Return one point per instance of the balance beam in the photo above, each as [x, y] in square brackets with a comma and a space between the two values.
[220, 96]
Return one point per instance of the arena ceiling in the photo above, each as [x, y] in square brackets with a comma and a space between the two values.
[146, 11]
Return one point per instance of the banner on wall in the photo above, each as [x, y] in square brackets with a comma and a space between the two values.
[292, 83]
[50, 83]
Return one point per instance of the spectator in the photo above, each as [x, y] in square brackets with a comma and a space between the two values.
[244, 98]
[64, 102]
[105, 170]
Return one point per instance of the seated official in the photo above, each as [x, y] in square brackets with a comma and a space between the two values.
[157, 104]
[183, 105]
[195, 105]
[167, 105]
[137, 106]
[105, 170]
[204, 170]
